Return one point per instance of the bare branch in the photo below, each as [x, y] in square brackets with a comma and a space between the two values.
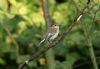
[46, 13]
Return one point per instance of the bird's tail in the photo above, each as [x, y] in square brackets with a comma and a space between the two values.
[41, 42]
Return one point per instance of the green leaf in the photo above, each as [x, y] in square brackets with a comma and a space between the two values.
[3, 5]
[2, 61]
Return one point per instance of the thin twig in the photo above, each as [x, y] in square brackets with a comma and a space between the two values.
[95, 14]
[89, 9]
[86, 62]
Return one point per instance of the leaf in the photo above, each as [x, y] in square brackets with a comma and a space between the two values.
[3, 5]
[2, 61]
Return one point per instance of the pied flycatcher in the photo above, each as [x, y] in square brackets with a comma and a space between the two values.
[51, 34]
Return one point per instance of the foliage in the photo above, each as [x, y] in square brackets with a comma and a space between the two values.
[22, 26]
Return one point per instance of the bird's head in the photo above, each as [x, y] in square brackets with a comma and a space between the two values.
[55, 25]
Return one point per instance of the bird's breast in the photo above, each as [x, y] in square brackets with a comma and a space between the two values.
[55, 35]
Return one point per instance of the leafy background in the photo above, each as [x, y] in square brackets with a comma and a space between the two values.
[22, 26]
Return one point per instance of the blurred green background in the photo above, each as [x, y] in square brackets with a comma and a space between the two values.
[22, 27]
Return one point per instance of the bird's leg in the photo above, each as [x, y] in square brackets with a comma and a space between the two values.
[49, 41]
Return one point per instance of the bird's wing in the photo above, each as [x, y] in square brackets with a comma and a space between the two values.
[41, 42]
[49, 35]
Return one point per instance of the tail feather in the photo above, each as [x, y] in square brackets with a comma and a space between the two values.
[42, 42]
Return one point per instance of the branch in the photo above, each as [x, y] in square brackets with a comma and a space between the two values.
[86, 62]
[49, 54]
[61, 37]
[45, 13]
[95, 14]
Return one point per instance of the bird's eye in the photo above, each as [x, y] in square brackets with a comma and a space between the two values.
[55, 25]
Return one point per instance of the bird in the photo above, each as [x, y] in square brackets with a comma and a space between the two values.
[51, 34]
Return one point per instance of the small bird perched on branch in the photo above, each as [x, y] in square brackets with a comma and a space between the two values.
[52, 33]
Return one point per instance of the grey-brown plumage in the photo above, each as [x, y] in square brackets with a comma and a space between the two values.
[52, 33]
